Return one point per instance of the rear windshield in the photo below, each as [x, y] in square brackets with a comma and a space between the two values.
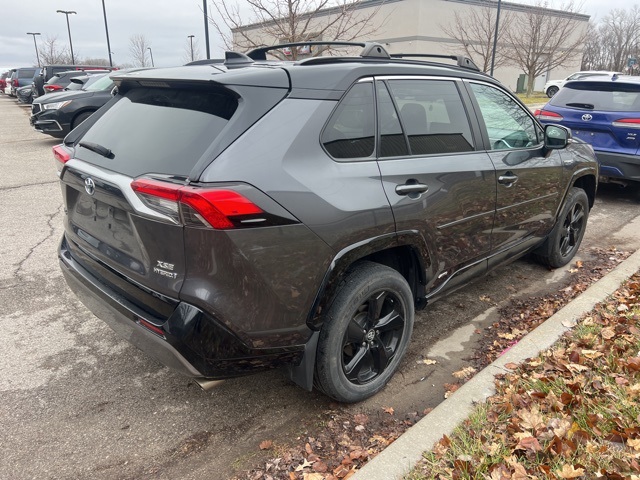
[610, 97]
[27, 72]
[158, 130]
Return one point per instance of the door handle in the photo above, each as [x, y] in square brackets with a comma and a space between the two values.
[508, 179]
[408, 188]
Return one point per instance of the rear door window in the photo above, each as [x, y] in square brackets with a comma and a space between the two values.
[159, 130]
[432, 115]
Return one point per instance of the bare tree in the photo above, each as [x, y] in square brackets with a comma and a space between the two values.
[541, 40]
[52, 54]
[620, 37]
[138, 47]
[475, 31]
[288, 21]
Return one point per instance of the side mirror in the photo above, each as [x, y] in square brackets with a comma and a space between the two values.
[556, 137]
[114, 91]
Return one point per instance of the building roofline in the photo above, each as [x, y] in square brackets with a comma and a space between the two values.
[518, 7]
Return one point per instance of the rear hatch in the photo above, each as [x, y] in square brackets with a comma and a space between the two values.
[126, 174]
[605, 114]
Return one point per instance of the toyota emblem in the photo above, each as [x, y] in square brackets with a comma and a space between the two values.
[587, 117]
[89, 185]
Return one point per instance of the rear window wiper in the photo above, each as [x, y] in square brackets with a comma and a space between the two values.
[587, 106]
[99, 149]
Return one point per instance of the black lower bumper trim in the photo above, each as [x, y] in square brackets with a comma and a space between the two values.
[189, 340]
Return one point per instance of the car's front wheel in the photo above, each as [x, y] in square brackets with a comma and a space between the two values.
[551, 91]
[565, 238]
[365, 333]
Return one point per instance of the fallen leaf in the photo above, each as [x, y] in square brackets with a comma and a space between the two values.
[529, 443]
[304, 465]
[427, 361]
[313, 476]
[512, 366]
[266, 445]
[635, 444]
[388, 410]
[465, 372]
[608, 333]
[568, 471]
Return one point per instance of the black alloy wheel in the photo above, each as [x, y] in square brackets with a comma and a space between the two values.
[572, 229]
[372, 337]
[365, 333]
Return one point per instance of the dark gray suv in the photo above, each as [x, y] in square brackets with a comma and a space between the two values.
[255, 214]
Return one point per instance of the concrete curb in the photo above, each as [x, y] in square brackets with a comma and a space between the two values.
[403, 454]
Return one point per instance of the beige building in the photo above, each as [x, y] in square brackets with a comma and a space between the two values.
[417, 26]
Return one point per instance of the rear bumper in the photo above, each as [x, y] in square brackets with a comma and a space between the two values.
[619, 165]
[188, 341]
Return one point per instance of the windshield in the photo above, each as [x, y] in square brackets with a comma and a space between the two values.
[104, 83]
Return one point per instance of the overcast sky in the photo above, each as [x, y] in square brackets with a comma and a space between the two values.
[165, 24]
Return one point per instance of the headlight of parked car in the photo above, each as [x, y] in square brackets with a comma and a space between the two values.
[55, 106]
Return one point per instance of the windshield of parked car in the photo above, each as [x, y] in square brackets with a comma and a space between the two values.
[104, 83]
[609, 96]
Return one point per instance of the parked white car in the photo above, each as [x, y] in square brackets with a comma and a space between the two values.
[552, 86]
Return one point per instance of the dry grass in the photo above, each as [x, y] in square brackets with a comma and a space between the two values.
[572, 412]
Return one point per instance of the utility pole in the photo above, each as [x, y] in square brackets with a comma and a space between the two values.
[190, 37]
[495, 39]
[67, 13]
[151, 53]
[106, 29]
[36, 45]
[206, 28]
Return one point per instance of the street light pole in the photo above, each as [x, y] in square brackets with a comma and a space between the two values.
[190, 37]
[495, 39]
[151, 53]
[106, 29]
[67, 13]
[36, 45]
[206, 28]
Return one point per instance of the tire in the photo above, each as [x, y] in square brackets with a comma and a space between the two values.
[564, 240]
[80, 118]
[365, 333]
[551, 91]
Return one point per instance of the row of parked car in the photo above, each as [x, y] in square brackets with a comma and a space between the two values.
[62, 96]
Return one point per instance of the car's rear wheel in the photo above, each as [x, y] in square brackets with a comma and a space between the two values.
[365, 333]
[80, 118]
[565, 238]
[551, 91]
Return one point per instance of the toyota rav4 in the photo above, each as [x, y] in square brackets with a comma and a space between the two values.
[236, 217]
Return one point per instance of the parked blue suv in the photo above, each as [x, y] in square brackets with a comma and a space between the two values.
[606, 114]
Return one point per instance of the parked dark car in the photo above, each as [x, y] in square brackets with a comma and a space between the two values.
[58, 113]
[22, 78]
[60, 80]
[25, 94]
[48, 71]
[606, 114]
[232, 218]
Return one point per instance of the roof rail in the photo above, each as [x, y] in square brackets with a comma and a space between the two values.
[369, 49]
[461, 60]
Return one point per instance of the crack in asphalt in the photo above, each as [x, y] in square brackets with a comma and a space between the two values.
[2, 189]
[32, 249]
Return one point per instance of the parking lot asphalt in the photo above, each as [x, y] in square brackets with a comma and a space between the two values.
[76, 401]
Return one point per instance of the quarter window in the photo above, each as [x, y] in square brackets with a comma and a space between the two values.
[350, 132]
[508, 124]
[432, 116]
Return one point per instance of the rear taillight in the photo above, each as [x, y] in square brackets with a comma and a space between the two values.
[62, 154]
[627, 123]
[52, 88]
[547, 115]
[15, 83]
[219, 208]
